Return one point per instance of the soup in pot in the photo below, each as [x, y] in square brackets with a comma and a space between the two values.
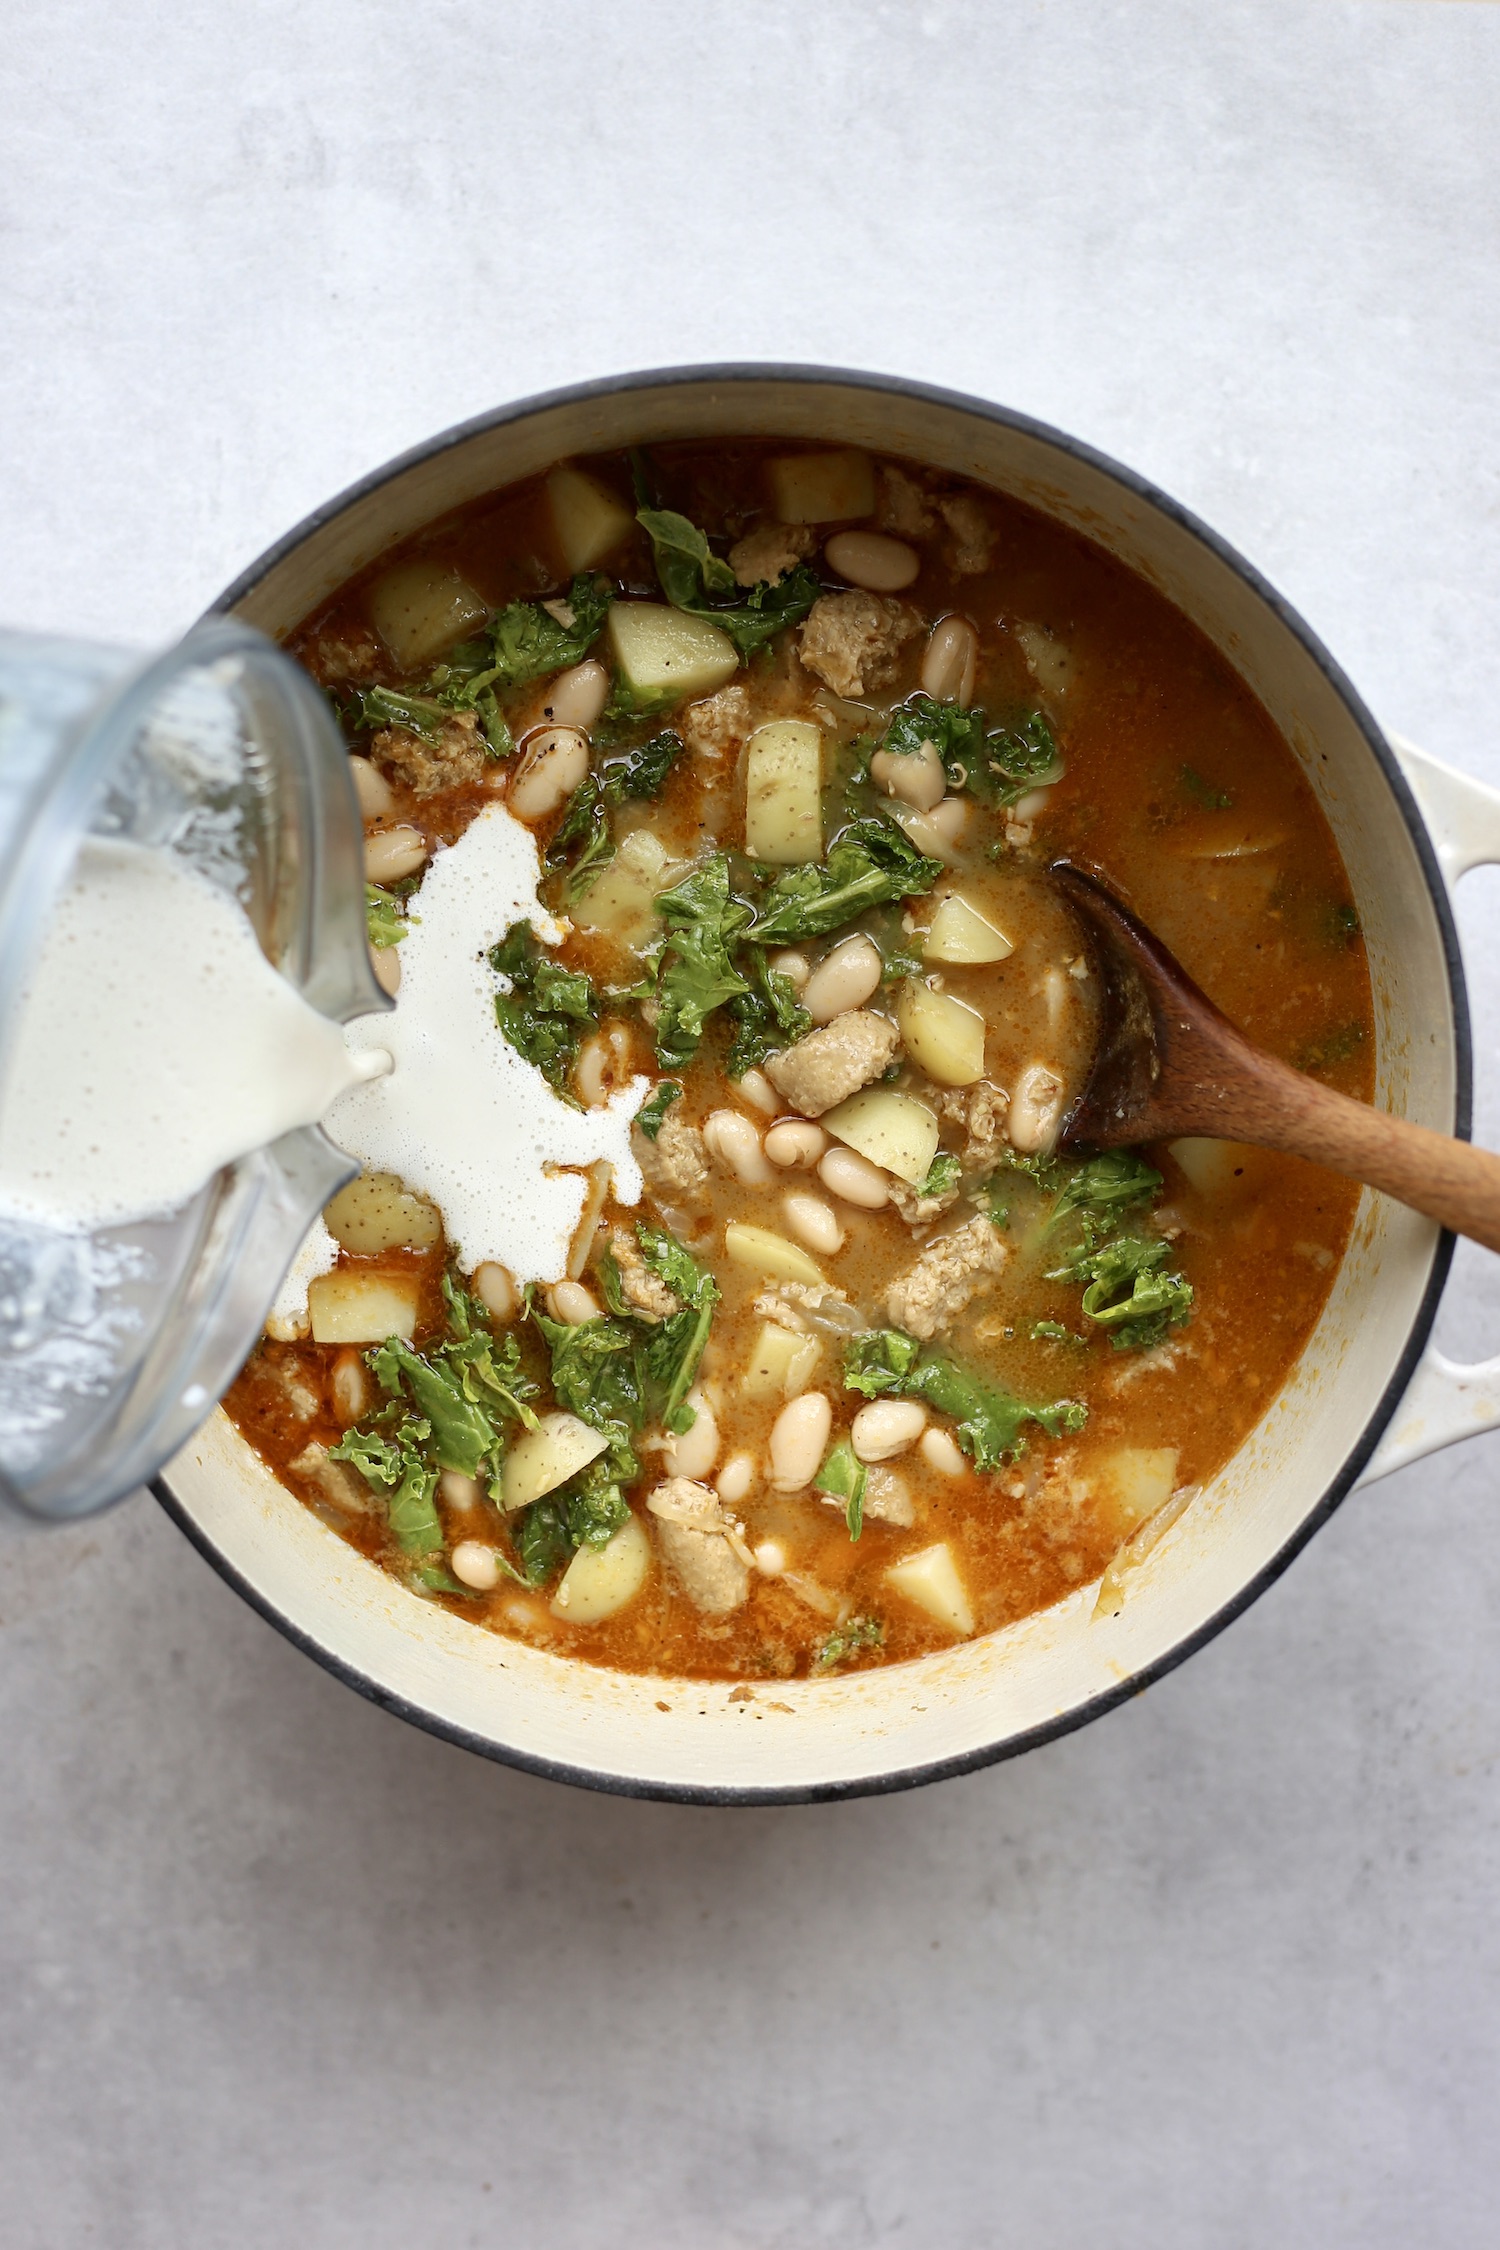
[714, 1301]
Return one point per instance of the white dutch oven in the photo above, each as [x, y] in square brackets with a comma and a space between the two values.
[1368, 1395]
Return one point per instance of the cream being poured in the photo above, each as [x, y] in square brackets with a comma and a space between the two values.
[154, 1043]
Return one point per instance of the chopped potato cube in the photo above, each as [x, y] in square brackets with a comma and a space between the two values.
[781, 1363]
[960, 934]
[541, 1459]
[601, 1580]
[421, 608]
[377, 1212]
[623, 899]
[662, 652]
[1214, 1168]
[588, 520]
[943, 1036]
[363, 1308]
[1133, 1481]
[893, 1130]
[822, 487]
[784, 793]
[768, 1253]
[931, 1580]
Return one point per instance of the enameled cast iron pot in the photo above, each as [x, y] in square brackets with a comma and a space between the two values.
[1368, 1394]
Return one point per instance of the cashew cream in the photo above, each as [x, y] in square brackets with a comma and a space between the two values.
[154, 1043]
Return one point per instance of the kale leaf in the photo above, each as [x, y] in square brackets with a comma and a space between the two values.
[989, 1419]
[639, 775]
[768, 1016]
[1127, 1292]
[652, 1114]
[1104, 1188]
[690, 572]
[675, 1346]
[548, 1010]
[587, 1511]
[999, 764]
[872, 862]
[368, 709]
[398, 1460]
[696, 971]
[527, 639]
[844, 1475]
[849, 1639]
[599, 1373]
[385, 924]
[946, 1171]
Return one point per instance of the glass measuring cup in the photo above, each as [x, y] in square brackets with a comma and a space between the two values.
[116, 1343]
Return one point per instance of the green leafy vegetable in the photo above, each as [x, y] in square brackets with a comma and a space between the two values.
[599, 1373]
[872, 862]
[639, 775]
[768, 1016]
[675, 1346]
[540, 1536]
[548, 1010]
[849, 1639]
[1127, 1293]
[369, 709]
[989, 1420]
[652, 1114]
[384, 920]
[527, 639]
[1204, 792]
[696, 971]
[946, 1173]
[690, 572]
[999, 764]
[845, 1477]
[398, 1461]
[1104, 1188]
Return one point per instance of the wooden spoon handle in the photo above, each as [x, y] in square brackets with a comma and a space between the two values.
[1451, 1181]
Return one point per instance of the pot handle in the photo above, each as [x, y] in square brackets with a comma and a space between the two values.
[1445, 1401]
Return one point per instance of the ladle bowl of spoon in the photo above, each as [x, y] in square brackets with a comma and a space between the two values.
[1169, 1063]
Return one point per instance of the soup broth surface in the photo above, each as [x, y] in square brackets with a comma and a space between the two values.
[800, 1412]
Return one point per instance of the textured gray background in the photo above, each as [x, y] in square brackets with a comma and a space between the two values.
[1224, 1969]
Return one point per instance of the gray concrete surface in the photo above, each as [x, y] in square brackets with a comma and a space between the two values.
[1224, 1969]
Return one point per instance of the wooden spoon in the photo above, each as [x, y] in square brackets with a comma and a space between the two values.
[1169, 1062]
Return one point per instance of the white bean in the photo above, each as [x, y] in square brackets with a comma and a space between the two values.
[576, 698]
[391, 853]
[349, 1387]
[386, 963]
[458, 1491]
[1035, 1108]
[796, 1143]
[770, 1558]
[555, 761]
[799, 1439]
[854, 1179]
[887, 1427]
[871, 559]
[845, 978]
[474, 1564]
[758, 1090]
[571, 1303]
[941, 1452]
[377, 799]
[949, 661]
[734, 1480]
[916, 777]
[733, 1141]
[950, 818]
[812, 1221]
[603, 1066]
[496, 1290]
[794, 966]
[695, 1452]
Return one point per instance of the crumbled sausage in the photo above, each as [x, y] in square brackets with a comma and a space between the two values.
[426, 767]
[300, 1395]
[719, 726]
[342, 655]
[673, 1165]
[770, 551]
[904, 507]
[979, 1112]
[949, 1272]
[972, 540]
[692, 1532]
[334, 1481]
[920, 1210]
[852, 641]
[639, 1286]
[834, 1061]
